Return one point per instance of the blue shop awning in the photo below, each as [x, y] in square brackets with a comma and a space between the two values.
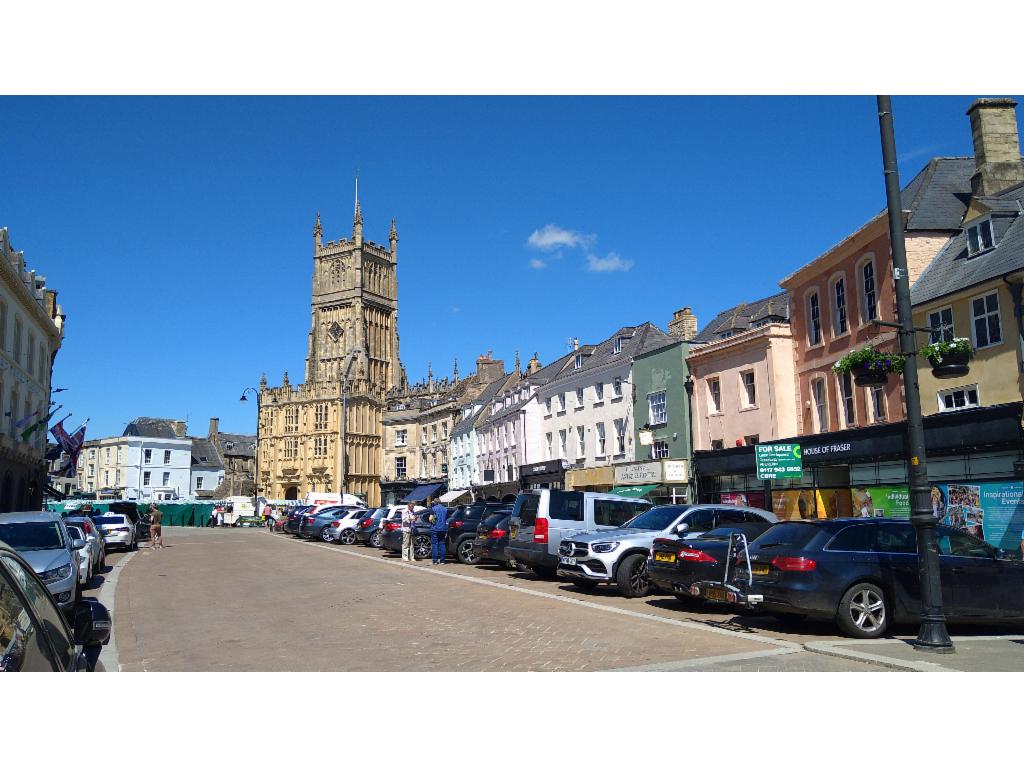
[422, 492]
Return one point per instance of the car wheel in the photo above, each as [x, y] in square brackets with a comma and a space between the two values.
[862, 611]
[464, 553]
[421, 547]
[584, 585]
[631, 576]
[348, 536]
[325, 535]
[375, 539]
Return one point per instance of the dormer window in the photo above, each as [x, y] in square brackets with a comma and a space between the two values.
[618, 345]
[979, 237]
[578, 363]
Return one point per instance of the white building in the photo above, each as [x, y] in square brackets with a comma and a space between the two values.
[31, 332]
[463, 473]
[207, 468]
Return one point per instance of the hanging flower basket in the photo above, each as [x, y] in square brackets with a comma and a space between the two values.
[949, 358]
[869, 367]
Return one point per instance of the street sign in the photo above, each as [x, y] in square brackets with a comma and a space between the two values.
[777, 461]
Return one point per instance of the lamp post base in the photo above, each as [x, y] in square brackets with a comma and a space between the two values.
[933, 637]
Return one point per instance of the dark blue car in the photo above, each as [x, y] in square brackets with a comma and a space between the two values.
[862, 573]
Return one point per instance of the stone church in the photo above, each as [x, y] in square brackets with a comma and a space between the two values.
[352, 352]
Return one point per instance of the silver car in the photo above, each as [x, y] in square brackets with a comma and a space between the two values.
[42, 539]
[117, 531]
[84, 555]
[619, 556]
[94, 539]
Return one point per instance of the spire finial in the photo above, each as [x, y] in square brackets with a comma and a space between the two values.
[455, 375]
[517, 361]
[318, 230]
[357, 221]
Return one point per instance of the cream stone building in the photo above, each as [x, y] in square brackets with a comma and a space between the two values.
[352, 363]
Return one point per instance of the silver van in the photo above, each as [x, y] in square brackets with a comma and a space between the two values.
[541, 519]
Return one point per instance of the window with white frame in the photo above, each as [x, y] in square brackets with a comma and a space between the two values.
[106, 478]
[748, 389]
[941, 323]
[563, 444]
[433, 433]
[988, 330]
[620, 436]
[199, 482]
[579, 397]
[979, 237]
[106, 455]
[320, 445]
[146, 476]
[92, 470]
[147, 456]
[599, 392]
[399, 466]
[617, 386]
[401, 437]
[578, 362]
[547, 405]
[166, 479]
[659, 450]
[618, 345]
[117, 478]
[657, 408]
[444, 430]
[959, 398]
[581, 443]
[549, 442]
[845, 382]
[876, 399]
[714, 396]
[868, 291]
[839, 320]
[167, 457]
[31, 353]
[813, 319]
[600, 438]
[820, 402]
[561, 402]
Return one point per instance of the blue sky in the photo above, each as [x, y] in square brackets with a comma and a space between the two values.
[178, 231]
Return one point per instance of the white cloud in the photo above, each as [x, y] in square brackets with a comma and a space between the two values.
[551, 236]
[610, 263]
[456, 310]
[538, 264]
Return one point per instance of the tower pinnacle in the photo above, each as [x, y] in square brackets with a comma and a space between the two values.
[318, 231]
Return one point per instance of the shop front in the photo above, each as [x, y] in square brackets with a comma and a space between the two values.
[544, 474]
[972, 459]
[597, 479]
[662, 482]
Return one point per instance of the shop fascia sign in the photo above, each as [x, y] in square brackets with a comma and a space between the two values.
[643, 473]
[676, 471]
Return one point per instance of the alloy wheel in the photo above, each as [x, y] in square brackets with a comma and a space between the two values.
[347, 536]
[466, 553]
[421, 547]
[325, 535]
[638, 578]
[867, 610]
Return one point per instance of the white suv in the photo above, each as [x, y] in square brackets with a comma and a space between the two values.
[619, 556]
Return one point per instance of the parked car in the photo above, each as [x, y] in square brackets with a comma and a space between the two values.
[43, 542]
[139, 519]
[676, 563]
[84, 556]
[391, 514]
[863, 575]
[117, 531]
[462, 527]
[295, 518]
[491, 542]
[35, 635]
[343, 530]
[541, 519]
[619, 556]
[94, 538]
[368, 531]
[391, 540]
[319, 527]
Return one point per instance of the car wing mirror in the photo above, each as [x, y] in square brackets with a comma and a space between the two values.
[682, 528]
[78, 543]
[91, 623]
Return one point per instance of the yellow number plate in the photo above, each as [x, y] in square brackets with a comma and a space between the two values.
[665, 557]
[759, 569]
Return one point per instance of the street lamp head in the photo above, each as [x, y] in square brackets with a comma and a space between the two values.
[243, 398]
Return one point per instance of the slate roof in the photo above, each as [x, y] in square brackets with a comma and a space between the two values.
[241, 445]
[938, 196]
[203, 448]
[465, 426]
[144, 426]
[744, 316]
[636, 340]
[953, 269]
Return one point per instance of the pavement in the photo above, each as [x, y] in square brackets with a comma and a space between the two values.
[249, 600]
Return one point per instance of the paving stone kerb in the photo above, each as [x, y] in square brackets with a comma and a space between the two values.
[225, 599]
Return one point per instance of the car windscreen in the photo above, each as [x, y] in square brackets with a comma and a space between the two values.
[31, 537]
[110, 520]
[655, 518]
[793, 534]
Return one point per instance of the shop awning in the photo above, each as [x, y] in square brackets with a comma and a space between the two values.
[422, 492]
[633, 491]
[451, 496]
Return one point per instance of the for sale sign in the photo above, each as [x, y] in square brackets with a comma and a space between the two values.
[778, 461]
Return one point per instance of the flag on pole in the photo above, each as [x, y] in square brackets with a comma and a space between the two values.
[40, 423]
[62, 437]
[72, 445]
[28, 418]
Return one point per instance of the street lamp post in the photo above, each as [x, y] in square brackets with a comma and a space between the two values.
[932, 635]
[256, 448]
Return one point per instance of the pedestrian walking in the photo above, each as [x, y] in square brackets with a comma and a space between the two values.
[212, 523]
[220, 517]
[438, 531]
[156, 519]
[408, 520]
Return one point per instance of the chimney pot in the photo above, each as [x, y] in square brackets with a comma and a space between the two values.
[997, 157]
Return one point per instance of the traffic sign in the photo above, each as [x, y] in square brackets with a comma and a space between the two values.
[778, 461]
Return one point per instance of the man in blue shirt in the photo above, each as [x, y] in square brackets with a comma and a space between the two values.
[438, 530]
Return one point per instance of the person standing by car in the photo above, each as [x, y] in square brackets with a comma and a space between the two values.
[156, 518]
[438, 531]
[408, 520]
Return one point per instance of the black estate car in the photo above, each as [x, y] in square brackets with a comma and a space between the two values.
[462, 529]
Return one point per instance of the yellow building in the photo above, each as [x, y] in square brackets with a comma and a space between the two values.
[972, 289]
[352, 363]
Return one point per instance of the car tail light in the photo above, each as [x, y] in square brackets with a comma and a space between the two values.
[695, 556]
[392, 526]
[336, 524]
[456, 524]
[87, 526]
[540, 531]
[794, 563]
[366, 523]
[496, 534]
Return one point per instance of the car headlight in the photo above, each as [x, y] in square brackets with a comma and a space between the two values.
[56, 574]
[605, 546]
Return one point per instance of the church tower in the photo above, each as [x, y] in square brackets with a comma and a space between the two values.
[352, 341]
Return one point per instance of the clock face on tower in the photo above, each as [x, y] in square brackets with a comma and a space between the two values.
[335, 331]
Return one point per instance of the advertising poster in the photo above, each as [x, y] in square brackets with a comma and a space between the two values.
[991, 511]
[809, 504]
[753, 499]
[882, 501]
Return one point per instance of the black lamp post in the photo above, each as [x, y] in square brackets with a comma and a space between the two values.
[932, 635]
[256, 448]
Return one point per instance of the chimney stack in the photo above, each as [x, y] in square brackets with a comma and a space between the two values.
[214, 427]
[534, 365]
[997, 157]
[576, 344]
[683, 325]
[179, 428]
